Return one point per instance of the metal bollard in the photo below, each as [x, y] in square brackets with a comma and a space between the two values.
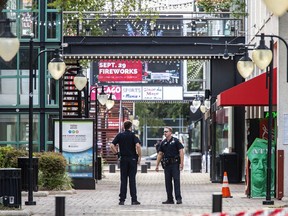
[148, 164]
[112, 168]
[60, 206]
[144, 168]
[217, 202]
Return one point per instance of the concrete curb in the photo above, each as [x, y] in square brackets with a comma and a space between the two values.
[24, 212]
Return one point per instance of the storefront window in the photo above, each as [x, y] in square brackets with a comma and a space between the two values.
[8, 91]
[8, 128]
[222, 131]
[196, 137]
[52, 25]
[24, 127]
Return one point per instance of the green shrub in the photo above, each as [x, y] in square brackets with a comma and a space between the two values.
[9, 156]
[52, 174]
[52, 167]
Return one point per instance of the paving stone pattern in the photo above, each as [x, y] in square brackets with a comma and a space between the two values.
[196, 189]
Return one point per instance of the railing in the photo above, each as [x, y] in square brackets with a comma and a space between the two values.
[166, 24]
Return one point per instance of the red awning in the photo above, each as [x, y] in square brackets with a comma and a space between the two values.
[250, 93]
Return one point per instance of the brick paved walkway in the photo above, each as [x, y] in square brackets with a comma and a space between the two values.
[196, 192]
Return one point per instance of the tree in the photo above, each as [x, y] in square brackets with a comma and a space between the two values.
[153, 113]
[92, 10]
[3, 4]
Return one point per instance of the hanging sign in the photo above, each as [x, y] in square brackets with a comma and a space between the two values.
[115, 90]
[152, 93]
[131, 93]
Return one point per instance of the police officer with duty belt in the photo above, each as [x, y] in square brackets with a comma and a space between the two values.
[130, 155]
[171, 156]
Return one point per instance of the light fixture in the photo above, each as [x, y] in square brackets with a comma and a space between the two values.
[80, 81]
[207, 103]
[245, 65]
[200, 103]
[196, 102]
[110, 102]
[56, 66]
[262, 56]
[278, 7]
[9, 43]
[193, 109]
[102, 97]
[202, 108]
[226, 54]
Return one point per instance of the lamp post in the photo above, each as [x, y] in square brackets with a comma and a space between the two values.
[203, 103]
[80, 81]
[54, 65]
[104, 99]
[200, 102]
[263, 57]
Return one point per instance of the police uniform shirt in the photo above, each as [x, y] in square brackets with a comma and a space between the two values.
[127, 143]
[171, 148]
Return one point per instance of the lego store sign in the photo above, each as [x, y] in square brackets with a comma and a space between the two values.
[119, 71]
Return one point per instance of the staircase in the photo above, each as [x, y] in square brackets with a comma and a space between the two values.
[108, 127]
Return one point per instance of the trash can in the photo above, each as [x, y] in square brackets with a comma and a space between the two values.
[10, 187]
[23, 163]
[229, 162]
[196, 162]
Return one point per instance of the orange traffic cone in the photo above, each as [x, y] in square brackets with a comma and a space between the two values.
[225, 187]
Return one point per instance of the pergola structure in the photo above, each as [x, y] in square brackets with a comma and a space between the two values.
[223, 72]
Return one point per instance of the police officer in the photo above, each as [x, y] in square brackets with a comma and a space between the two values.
[129, 154]
[171, 156]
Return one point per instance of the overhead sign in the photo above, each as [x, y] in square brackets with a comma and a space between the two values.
[115, 90]
[131, 93]
[119, 71]
[152, 93]
[172, 93]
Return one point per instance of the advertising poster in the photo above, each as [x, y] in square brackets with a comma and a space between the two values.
[136, 71]
[257, 155]
[77, 146]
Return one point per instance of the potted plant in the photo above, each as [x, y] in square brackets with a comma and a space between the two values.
[211, 6]
[237, 7]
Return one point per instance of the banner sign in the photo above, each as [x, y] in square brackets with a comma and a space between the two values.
[131, 93]
[77, 146]
[152, 93]
[119, 70]
[115, 90]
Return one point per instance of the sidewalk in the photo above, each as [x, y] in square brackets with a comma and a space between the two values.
[196, 192]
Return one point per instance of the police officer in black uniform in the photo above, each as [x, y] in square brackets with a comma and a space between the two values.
[171, 156]
[129, 154]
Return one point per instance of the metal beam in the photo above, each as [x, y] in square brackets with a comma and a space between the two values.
[90, 47]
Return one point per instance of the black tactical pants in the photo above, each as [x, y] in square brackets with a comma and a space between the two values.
[172, 171]
[128, 169]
